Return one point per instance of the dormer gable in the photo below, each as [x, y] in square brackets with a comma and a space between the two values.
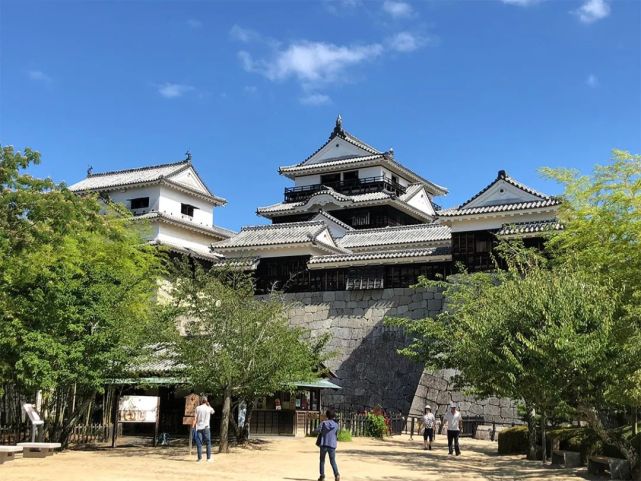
[340, 145]
[503, 190]
[190, 178]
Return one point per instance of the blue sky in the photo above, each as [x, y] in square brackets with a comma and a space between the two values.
[459, 89]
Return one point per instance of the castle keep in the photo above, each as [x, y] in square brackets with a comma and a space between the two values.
[351, 235]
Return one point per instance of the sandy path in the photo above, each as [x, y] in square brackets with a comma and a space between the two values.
[289, 459]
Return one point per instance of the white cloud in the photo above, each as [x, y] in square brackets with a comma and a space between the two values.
[194, 23]
[338, 7]
[592, 81]
[592, 10]
[39, 76]
[521, 3]
[241, 34]
[171, 90]
[311, 62]
[315, 99]
[406, 42]
[250, 89]
[397, 9]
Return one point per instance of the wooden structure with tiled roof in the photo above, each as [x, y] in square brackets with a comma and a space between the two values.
[171, 197]
[381, 226]
[357, 184]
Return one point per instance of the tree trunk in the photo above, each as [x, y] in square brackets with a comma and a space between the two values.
[224, 422]
[543, 443]
[531, 431]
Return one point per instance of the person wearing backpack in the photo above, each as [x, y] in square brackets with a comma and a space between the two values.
[326, 441]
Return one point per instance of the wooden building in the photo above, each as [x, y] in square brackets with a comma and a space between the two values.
[356, 218]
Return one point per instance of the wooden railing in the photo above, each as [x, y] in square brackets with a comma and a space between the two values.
[10, 434]
[350, 187]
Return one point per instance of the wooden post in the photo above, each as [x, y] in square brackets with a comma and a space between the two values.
[157, 422]
[190, 438]
[114, 418]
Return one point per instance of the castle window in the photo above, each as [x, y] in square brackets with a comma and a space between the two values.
[186, 209]
[139, 203]
[352, 175]
[360, 219]
[329, 179]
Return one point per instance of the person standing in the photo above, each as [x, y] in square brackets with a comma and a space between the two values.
[454, 423]
[201, 423]
[326, 441]
[429, 423]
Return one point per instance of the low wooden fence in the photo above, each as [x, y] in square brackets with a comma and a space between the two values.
[10, 434]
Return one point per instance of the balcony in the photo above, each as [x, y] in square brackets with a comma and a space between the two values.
[348, 187]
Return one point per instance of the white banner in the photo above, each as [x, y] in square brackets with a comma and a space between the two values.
[138, 409]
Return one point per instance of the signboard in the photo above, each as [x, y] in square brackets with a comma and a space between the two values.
[191, 403]
[138, 409]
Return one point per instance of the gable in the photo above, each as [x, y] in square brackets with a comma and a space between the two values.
[335, 148]
[501, 192]
[189, 178]
[336, 228]
[421, 201]
[325, 237]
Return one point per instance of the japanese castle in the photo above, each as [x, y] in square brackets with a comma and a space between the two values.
[355, 218]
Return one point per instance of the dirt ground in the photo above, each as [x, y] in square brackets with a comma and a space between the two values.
[289, 459]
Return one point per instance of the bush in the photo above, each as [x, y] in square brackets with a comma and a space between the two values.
[582, 440]
[344, 435]
[375, 426]
[514, 440]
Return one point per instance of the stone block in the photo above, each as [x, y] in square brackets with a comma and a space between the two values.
[491, 410]
[329, 296]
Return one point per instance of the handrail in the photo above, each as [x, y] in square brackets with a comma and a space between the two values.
[381, 182]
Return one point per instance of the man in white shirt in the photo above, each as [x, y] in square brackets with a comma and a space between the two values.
[429, 423]
[202, 419]
[454, 423]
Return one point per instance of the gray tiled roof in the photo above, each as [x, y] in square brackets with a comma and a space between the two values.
[243, 263]
[382, 255]
[129, 176]
[400, 235]
[287, 206]
[530, 227]
[207, 229]
[535, 204]
[142, 175]
[274, 234]
[326, 215]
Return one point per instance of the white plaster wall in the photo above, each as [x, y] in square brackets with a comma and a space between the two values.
[336, 148]
[374, 171]
[401, 180]
[189, 178]
[176, 236]
[496, 222]
[307, 180]
[170, 201]
[421, 202]
[124, 196]
[509, 194]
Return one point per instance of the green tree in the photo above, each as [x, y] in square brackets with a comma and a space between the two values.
[527, 333]
[236, 344]
[602, 237]
[77, 287]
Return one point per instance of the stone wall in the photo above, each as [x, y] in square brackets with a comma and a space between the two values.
[365, 361]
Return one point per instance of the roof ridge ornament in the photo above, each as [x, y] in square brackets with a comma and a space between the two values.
[501, 175]
[188, 155]
[90, 171]
[338, 128]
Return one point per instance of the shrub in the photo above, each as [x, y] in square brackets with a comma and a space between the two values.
[514, 440]
[582, 440]
[344, 435]
[375, 426]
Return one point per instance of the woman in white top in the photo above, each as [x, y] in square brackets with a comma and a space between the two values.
[429, 423]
